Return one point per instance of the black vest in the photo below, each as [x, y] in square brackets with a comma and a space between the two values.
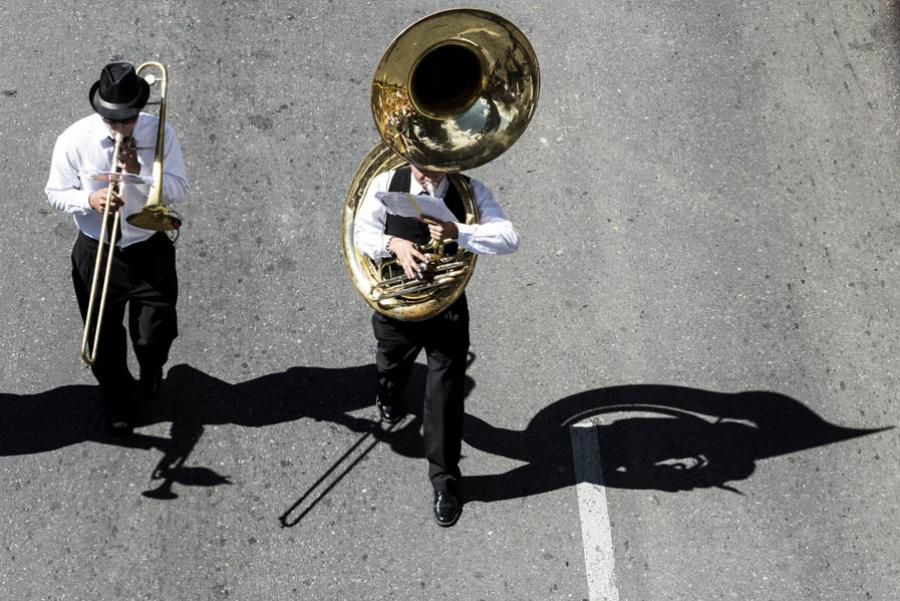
[412, 229]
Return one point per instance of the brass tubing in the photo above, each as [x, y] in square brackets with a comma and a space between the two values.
[155, 215]
[89, 354]
[154, 197]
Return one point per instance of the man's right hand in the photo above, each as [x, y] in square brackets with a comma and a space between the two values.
[408, 256]
[97, 200]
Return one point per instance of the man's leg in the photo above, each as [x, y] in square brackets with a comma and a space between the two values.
[152, 319]
[447, 349]
[111, 366]
[153, 327]
[396, 353]
[443, 417]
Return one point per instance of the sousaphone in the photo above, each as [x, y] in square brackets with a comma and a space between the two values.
[452, 92]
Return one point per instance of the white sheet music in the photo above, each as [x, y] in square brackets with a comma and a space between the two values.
[121, 176]
[404, 204]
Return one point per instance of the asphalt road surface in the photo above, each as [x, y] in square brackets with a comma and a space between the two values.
[683, 385]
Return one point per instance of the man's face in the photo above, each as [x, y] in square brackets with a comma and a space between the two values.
[120, 127]
[425, 177]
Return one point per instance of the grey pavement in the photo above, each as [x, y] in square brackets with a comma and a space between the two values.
[708, 203]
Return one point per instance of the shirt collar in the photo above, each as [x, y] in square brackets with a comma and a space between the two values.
[438, 192]
[107, 140]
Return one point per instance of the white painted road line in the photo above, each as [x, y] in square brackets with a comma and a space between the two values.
[596, 536]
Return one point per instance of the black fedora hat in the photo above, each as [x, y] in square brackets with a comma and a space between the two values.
[119, 94]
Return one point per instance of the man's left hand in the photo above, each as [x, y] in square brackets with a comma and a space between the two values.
[443, 230]
[128, 157]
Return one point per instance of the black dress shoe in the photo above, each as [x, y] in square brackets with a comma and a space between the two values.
[388, 411]
[446, 508]
[151, 381]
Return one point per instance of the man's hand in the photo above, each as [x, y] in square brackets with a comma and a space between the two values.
[408, 256]
[127, 160]
[97, 200]
[443, 230]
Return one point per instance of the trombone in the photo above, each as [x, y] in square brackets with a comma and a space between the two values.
[154, 215]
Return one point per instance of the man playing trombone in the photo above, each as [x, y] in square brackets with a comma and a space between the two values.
[90, 182]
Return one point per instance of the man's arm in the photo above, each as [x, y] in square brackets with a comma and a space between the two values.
[369, 236]
[175, 183]
[63, 187]
[368, 225]
[494, 234]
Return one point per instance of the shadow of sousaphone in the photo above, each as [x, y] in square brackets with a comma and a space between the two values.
[658, 437]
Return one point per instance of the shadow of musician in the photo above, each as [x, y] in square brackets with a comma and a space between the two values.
[666, 438]
[192, 400]
[658, 437]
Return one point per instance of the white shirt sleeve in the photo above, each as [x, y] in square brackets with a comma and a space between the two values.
[494, 234]
[368, 225]
[175, 184]
[63, 189]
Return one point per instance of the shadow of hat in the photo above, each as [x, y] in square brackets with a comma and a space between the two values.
[119, 94]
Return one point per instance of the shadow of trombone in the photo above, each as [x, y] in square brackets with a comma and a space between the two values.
[285, 518]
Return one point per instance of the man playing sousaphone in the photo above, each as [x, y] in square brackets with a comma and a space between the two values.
[445, 336]
[142, 273]
[452, 92]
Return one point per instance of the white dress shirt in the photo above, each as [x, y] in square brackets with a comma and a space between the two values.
[86, 148]
[492, 235]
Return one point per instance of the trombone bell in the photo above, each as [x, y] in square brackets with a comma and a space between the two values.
[155, 217]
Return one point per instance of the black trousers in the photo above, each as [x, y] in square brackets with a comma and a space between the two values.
[445, 339]
[143, 277]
